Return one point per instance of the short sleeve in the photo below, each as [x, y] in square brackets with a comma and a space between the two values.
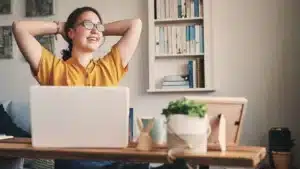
[112, 62]
[47, 64]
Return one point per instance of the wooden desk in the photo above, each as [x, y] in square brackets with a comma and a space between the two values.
[236, 156]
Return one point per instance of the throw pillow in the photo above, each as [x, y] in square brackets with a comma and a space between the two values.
[8, 127]
[6, 105]
[19, 112]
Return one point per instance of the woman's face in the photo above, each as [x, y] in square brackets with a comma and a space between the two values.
[87, 32]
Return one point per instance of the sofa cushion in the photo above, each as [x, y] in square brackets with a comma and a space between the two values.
[7, 126]
[6, 104]
[19, 111]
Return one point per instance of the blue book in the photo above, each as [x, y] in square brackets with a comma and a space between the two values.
[196, 8]
[131, 121]
[190, 73]
[179, 8]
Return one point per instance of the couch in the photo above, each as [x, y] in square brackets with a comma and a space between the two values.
[15, 121]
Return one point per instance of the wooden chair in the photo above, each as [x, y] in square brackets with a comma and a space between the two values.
[233, 109]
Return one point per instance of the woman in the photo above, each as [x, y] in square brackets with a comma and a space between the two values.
[84, 31]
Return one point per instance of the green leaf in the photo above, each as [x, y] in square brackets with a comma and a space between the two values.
[186, 107]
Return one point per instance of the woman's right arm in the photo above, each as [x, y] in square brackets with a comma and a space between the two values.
[24, 32]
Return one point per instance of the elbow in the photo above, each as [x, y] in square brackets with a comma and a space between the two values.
[137, 23]
[15, 26]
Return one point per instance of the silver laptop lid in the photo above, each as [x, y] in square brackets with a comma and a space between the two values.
[79, 116]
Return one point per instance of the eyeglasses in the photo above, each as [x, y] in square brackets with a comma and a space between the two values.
[90, 25]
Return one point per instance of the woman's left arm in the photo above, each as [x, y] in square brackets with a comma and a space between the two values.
[130, 31]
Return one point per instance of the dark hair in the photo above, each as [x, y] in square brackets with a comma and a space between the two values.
[66, 53]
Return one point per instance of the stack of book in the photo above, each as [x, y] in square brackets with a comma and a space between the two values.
[194, 78]
[175, 82]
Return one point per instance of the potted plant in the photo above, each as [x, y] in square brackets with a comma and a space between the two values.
[187, 125]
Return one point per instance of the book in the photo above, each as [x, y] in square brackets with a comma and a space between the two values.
[131, 123]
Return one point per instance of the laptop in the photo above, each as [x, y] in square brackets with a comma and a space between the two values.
[79, 116]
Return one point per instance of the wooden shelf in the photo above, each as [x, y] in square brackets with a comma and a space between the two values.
[168, 34]
[181, 90]
[178, 20]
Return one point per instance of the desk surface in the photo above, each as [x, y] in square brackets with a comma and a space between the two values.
[239, 156]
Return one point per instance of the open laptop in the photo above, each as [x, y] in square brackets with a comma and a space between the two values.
[79, 117]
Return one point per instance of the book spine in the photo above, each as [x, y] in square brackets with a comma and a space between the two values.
[190, 73]
[131, 122]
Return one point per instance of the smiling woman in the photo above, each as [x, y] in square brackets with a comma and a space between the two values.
[84, 31]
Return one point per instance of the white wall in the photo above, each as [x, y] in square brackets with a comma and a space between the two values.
[255, 48]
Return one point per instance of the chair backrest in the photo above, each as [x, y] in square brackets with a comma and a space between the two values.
[233, 109]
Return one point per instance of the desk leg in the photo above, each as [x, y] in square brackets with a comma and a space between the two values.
[182, 164]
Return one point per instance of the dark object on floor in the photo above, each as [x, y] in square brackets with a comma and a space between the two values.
[88, 164]
[279, 141]
[264, 166]
[178, 164]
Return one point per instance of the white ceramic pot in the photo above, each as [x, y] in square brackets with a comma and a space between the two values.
[186, 130]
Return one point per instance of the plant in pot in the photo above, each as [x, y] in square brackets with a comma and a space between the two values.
[187, 125]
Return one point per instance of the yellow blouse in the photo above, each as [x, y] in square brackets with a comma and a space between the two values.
[106, 71]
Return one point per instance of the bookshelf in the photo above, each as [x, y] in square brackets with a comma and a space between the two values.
[180, 46]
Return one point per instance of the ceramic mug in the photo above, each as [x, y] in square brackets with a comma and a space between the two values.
[158, 132]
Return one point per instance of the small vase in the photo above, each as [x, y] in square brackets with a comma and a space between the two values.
[144, 140]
